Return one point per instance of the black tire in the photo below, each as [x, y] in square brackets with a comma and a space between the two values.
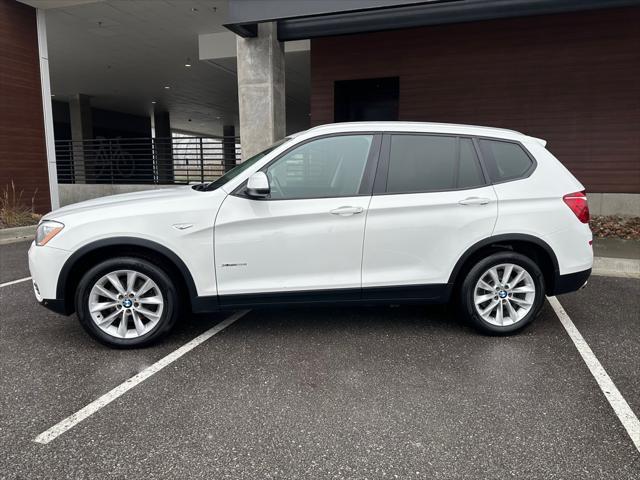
[468, 306]
[169, 292]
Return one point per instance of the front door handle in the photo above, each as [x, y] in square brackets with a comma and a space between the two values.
[346, 211]
[474, 201]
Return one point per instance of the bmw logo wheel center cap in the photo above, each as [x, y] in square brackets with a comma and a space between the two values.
[502, 294]
[127, 303]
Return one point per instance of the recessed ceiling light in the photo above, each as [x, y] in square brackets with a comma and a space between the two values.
[187, 65]
[53, 94]
[167, 87]
[153, 101]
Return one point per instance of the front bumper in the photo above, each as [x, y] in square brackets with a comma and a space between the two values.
[56, 305]
[45, 264]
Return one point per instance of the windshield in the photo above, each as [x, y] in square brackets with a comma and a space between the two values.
[241, 167]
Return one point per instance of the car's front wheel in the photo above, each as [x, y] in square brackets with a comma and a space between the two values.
[126, 302]
[503, 292]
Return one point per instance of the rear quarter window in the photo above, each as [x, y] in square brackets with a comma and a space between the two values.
[505, 160]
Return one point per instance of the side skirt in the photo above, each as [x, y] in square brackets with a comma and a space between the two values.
[413, 294]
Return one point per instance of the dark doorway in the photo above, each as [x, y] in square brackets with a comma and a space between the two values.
[366, 100]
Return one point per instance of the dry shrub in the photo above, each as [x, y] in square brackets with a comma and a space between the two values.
[13, 211]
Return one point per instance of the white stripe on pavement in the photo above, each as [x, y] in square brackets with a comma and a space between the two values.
[611, 392]
[107, 398]
[6, 284]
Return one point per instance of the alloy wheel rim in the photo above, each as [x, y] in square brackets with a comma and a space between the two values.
[126, 304]
[504, 294]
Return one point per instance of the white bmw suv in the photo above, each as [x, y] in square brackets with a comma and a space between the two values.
[353, 213]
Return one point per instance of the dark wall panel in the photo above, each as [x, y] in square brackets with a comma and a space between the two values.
[22, 146]
[572, 79]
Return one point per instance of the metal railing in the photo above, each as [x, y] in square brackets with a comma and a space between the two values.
[179, 159]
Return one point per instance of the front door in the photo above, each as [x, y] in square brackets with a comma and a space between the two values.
[305, 241]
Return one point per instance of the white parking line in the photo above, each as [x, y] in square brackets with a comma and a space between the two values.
[611, 392]
[107, 398]
[13, 282]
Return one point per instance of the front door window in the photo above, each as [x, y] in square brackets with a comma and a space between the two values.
[323, 168]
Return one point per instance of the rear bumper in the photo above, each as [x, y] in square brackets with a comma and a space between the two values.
[569, 282]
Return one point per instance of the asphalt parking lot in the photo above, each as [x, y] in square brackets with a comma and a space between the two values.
[384, 392]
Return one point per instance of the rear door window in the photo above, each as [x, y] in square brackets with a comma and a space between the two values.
[470, 174]
[427, 163]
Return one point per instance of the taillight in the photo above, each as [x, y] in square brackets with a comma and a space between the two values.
[577, 202]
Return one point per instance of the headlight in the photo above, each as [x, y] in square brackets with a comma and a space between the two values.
[46, 231]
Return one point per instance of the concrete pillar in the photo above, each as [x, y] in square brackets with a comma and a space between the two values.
[80, 115]
[47, 109]
[162, 124]
[163, 147]
[81, 129]
[228, 147]
[261, 91]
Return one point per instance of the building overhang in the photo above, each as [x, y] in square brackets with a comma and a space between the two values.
[321, 18]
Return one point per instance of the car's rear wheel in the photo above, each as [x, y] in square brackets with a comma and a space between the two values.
[503, 292]
[126, 302]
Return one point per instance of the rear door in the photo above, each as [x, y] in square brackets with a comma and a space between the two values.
[431, 202]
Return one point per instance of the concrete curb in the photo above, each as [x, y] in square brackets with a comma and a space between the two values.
[616, 267]
[17, 234]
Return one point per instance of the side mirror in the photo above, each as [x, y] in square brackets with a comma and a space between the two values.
[258, 185]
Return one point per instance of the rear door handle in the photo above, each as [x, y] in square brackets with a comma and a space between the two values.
[474, 201]
[346, 211]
